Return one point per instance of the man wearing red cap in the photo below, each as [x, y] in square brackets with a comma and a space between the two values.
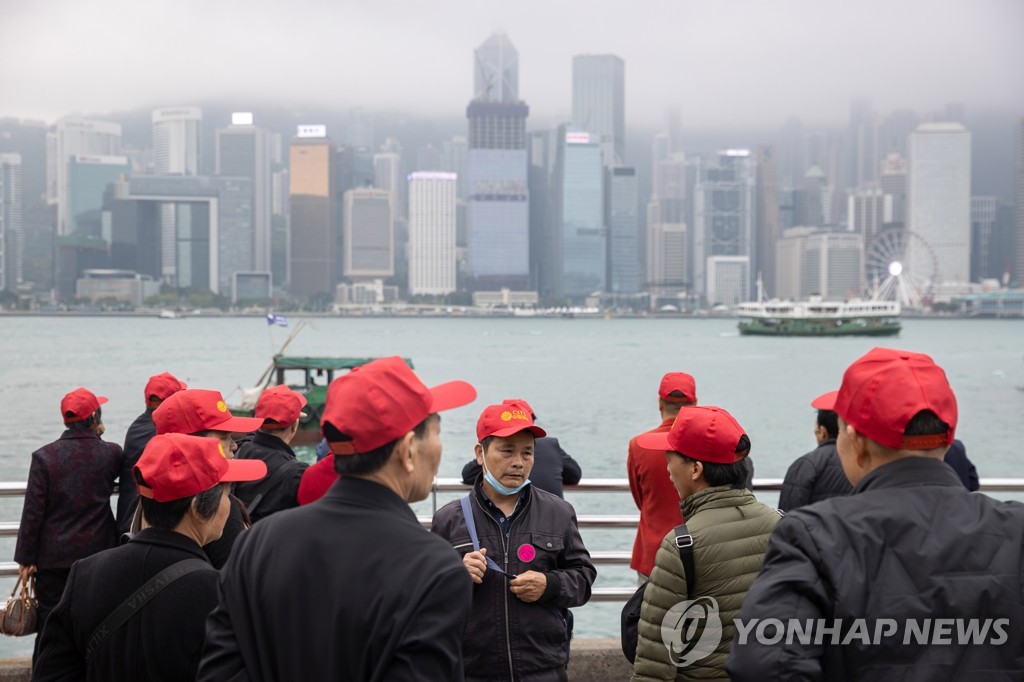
[67, 514]
[522, 547]
[200, 412]
[727, 531]
[351, 587]
[818, 475]
[653, 492]
[161, 578]
[905, 566]
[280, 408]
[158, 388]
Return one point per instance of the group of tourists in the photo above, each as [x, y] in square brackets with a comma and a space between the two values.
[229, 559]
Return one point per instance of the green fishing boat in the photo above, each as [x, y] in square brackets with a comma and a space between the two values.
[819, 318]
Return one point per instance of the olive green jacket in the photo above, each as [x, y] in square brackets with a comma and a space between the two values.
[730, 530]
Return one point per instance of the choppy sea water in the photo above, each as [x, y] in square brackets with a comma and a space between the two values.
[592, 382]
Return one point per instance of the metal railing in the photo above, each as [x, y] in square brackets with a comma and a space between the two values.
[9, 529]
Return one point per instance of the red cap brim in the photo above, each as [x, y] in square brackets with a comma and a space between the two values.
[244, 470]
[654, 441]
[101, 399]
[450, 395]
[825, 401]
[238, 425]
[534, 429]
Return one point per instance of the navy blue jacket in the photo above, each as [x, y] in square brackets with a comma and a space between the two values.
[814, 477]
[138, 436]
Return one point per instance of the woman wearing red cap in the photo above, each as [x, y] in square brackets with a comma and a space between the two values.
[67, 514]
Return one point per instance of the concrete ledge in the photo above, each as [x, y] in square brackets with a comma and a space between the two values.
[598, 660]
[593, 660]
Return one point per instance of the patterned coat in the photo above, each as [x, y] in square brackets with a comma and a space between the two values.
[67, 514]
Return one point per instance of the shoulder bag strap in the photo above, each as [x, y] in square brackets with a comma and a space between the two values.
[269, 482]
[139, 598]
[467, 512]
[684, 541]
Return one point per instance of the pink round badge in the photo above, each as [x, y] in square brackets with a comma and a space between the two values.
[526, 553]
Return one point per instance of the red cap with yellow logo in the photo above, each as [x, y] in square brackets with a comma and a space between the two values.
[512, 416]
[175, 466]
[195, 409]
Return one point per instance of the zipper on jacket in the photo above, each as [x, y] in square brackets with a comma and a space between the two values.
[504, 547]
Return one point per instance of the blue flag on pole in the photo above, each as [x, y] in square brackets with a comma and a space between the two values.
[279, 320]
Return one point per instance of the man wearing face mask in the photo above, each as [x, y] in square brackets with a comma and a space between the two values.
[523, 550]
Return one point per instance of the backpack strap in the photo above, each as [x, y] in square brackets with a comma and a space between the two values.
[267, 484]
[467, 512]
[684, 541]
[139, 598]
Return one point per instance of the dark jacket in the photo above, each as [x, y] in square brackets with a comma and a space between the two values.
[67, 514]
[501, 627]
[730, 531]
[909, 543]
[275, 453]
[552, 467]
[220, 549]
[348, 588]
[956, 457]
[139, 434]
[162, 642]
[814, 477]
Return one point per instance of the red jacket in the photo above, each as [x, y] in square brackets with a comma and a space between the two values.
[316, 480]
[655, 497]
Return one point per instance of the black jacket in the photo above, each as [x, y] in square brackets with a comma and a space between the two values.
[503, 629]
[909, 543]
[814, 477]
[956, 457]
[66, 515]
[162, 642]
[552, 467]
[138, 436]
[275, 453]
[350, 587]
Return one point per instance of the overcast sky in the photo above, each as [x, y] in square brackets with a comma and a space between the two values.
[724, 63]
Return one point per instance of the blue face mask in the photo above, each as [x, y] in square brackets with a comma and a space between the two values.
[504, 490]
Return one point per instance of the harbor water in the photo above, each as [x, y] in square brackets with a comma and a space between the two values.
[592, 383]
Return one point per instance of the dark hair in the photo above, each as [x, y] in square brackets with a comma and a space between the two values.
[366, 463]
[732, 475]
[85, 424]
[168, 515]
[829, 420]
[925, 423]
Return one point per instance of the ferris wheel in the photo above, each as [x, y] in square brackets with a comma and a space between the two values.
[901, 266]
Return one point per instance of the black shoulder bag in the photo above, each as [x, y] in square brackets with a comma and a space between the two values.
[631, 611]
[139, 598]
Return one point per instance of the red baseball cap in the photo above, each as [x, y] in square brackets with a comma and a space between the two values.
[280, 404]
[678, 381]
[79, 404]
[825, 401]
[885, 388]
[382, 401]
[522, 403]
[512, 416]
[709, 434]
[176, 465]
[162, 386]
[197, 409]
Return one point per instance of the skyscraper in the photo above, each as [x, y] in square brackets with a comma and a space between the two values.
[87, 179]
[243, 151]
[498, 237]
[599, 102]
[819, 263]
[622, 218]
[71, 136]
[314, 230]
[983, 220]
[939, 201]
[768, 227]
[893, 182]
[387, 173]
[177, 141]
[432, 199]
[369, 237]
[724, 207]
[496, 70]
[579, 215]
[12, 236]
[861, 145]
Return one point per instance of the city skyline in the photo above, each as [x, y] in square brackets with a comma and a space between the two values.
[764, 76]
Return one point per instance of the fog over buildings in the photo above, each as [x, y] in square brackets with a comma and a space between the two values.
[725, 64]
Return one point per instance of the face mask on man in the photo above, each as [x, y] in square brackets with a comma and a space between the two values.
[504, 490]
